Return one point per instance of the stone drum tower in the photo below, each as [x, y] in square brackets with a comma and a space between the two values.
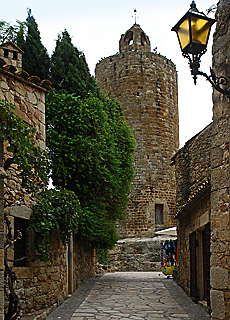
[145, 83]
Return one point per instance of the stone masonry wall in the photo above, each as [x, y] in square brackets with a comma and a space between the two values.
[145, 84]
[141, 254]
[39, 285]
[220, 259]
[42, 286]
[192, 164]
[2, 176]
[194, 218]
[29, 101]
[84, 262]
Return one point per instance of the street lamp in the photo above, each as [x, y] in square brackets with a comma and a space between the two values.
[193, 31]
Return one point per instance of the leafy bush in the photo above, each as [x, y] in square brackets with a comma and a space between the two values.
[91, 150]
[55, 210]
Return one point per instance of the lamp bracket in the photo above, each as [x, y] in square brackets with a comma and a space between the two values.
[216, 82]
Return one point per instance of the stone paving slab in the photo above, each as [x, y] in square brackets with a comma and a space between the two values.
[129, 295]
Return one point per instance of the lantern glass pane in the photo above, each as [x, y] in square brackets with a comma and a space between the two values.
[183, 34]
[200, 30]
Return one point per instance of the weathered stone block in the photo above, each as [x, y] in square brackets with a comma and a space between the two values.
[220, 177]
[24, 273]
[219, 278]
[21, 212]
[42, 277]
[217, 304]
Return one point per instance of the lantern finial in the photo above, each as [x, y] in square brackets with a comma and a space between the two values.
[193, 6]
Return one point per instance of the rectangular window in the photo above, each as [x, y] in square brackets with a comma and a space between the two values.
[158, 213]
[6, 53]
[20, 246]
[15, 55]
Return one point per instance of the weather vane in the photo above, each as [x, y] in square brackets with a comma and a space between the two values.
[135, 11]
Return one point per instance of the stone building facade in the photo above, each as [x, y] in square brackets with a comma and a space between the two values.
[220, 224]
[145, 84]
[193, 170]
[39, 285]
[203, 202]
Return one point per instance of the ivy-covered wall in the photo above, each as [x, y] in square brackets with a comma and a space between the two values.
[39, 285]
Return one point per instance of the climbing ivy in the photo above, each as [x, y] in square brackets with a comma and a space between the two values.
[21, 145]
[53, 210]
[91, 148]
[93, 156]
[56, 210]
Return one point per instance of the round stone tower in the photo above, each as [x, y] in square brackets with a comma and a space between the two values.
[145, 83]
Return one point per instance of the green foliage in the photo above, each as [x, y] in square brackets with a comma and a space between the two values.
[29, 157]
[36, 60]
[91, 148]
[69, 70]
[102, 256]
[96, 228]
[55, 210]
[90, 144]
[10, 33]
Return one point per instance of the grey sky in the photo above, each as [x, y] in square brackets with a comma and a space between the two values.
[96, 27]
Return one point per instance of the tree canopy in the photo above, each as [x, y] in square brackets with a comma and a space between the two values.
[10, 32]
[91, 148]
[90, 145]
[26, 36]
[36, 60]
[69, 70]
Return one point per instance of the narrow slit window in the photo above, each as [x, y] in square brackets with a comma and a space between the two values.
[159, 214]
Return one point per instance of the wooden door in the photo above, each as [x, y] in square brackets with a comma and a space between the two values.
[193, 265]
[207, 260]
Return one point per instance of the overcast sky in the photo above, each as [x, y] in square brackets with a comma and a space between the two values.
[96, 28]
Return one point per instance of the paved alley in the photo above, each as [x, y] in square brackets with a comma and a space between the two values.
[129, 295]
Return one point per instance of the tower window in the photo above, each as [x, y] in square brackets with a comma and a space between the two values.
[131, 42]
[6, 52]
[15, 55]
[158, 213]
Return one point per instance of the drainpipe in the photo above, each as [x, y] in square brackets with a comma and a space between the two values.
[70, 266]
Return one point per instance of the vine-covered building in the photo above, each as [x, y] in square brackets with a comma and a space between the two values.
[40, 286]
[145, 83]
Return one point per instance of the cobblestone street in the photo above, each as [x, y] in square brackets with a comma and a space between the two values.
[129, 295]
